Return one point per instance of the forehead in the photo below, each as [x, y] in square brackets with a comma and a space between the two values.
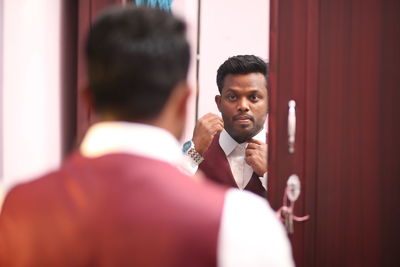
[240, 82]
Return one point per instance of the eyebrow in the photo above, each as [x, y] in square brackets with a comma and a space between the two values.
[228, 90]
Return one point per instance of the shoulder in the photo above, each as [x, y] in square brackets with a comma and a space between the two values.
[249, 206]
[249, 224]
[23, 198]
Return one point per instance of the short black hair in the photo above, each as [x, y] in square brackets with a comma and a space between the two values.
[241, 64]
[135, 56]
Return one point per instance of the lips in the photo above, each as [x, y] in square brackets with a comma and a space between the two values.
[243, 118]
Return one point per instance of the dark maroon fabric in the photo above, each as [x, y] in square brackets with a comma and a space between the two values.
[115, 210]
[216, 167]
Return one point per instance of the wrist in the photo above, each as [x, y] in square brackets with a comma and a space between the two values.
[189, 149]
[198, 147]
[261, 173]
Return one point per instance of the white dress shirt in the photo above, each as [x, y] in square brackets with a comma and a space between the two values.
[249, 235]
[235, 154]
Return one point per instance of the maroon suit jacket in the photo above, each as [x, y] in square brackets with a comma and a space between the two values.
[115, 210]
[216, 167]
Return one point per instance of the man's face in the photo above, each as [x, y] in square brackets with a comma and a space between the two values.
[243, 104]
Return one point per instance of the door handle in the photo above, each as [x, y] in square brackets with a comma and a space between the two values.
[285, 213]
[292, 125]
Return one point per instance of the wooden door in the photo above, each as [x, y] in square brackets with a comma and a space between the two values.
[340, 61]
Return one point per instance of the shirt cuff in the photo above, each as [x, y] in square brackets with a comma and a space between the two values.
[264, 180]
[189, 166]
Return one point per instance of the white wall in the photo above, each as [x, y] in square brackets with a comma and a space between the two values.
[31, 89]
[187, 10]
[229, 28]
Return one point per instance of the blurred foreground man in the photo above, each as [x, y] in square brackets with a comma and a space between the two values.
[120, 200]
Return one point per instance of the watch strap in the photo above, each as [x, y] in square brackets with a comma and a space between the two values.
[195, 156]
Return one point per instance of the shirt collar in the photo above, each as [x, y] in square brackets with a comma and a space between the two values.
[133, 138]
[228, 144]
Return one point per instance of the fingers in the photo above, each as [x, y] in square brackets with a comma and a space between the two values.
[252, 146]
[249, 160]
[210, 123]
[206, 128]
[258, 146]
[258, 164]
[210, 115]
[256, 156]
[254, 141]
[249, 153]
[256, 151]
[257, 161]
[211, 118]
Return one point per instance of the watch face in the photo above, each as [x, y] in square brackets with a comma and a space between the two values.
[187, 146]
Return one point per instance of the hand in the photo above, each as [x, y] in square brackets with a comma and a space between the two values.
[206, 127]
[256, 156]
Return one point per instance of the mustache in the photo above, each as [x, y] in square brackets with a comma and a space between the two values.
[243, 117]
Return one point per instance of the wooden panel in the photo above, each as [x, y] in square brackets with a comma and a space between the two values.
[69, 74]
[83, 113]
[288, 81]
[349, 127]
[388, 128]
[99, 5]
[347, 206]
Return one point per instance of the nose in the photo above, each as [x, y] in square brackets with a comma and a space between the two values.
[243, 105]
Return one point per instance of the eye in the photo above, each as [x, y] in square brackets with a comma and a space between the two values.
[231, 97]
[254, 97]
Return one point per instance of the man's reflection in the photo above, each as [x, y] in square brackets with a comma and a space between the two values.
[233, 150]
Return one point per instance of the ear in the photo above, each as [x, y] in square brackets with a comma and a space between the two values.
[183, 94]
[218, 102]
[176, 106]
[173, 117]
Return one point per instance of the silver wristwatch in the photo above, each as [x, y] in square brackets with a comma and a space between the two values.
[189, 149]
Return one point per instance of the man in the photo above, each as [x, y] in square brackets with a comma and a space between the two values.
[233, 150]
[121, 199]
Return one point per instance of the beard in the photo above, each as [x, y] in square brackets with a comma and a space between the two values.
[242, 133]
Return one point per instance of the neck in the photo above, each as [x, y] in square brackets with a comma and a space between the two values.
[159, 122]
[245, 138]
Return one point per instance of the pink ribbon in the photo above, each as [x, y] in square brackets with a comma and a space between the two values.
[289, 210]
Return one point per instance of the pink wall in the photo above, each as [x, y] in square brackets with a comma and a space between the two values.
[31, 120]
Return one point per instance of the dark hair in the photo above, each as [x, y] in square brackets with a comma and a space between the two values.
[136, 56]
[242, 64]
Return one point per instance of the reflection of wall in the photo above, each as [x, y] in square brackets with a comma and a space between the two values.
[227, 28]
[31, 123]
[1, 104]
[187, 10]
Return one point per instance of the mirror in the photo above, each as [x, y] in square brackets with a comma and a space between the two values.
[217, 30]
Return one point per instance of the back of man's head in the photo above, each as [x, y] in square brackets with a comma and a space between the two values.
[241, 64]
[136, 56]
